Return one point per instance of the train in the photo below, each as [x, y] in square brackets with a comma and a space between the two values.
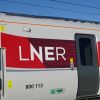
[48, 58]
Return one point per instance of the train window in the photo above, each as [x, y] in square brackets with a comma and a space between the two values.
[85, 51]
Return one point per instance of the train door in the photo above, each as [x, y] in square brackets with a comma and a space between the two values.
[1, 73]
[88, 70]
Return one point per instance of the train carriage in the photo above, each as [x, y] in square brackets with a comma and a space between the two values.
[45, 58]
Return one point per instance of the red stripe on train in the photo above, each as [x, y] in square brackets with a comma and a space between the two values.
[23, 52]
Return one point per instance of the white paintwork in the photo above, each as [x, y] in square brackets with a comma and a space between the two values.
[99, 82]
[51, 29]
[51, 79]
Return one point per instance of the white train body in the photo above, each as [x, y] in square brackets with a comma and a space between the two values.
[41, 58]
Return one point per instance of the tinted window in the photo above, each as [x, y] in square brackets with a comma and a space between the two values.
[85, 51]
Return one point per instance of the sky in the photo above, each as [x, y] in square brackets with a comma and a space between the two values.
[74, 9]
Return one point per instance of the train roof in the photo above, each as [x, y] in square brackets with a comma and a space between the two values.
[50, 17]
